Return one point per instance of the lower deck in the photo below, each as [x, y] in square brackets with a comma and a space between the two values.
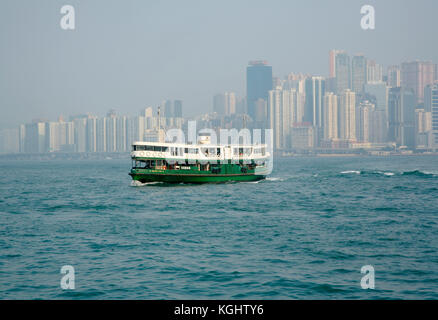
[161, 171]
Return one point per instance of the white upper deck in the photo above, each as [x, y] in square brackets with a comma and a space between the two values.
[200, 151]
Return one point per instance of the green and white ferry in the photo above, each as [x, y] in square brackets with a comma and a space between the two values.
[199, 163]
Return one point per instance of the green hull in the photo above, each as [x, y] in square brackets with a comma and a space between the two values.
[195, 173]
[186, 178]
[227, 172]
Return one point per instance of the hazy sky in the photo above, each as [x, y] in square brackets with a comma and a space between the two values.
[128, 55]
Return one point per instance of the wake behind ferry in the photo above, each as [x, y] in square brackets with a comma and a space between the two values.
[198, 163]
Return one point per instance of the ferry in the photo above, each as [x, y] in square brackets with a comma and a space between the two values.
[199, 163]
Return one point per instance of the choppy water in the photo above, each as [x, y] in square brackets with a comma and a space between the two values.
[303, 233]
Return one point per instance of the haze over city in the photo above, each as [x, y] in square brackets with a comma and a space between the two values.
[129, 55]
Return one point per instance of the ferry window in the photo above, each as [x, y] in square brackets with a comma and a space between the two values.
[192, 150]
[156, 148]
[218, 152]
[149, 148]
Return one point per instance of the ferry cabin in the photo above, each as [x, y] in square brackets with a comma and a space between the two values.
[156, 155]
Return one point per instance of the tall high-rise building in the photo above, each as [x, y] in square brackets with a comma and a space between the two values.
[378, 90]
[80, 134]
[148, 112]
[394, 76]
[423, 129]
[417, 75]
[434, 110]
[332, 62]
[358, 73]
[136, 129]
[401, 112]
[21, 138]
[111, 133]
[121, 134]
[177, 109]
[364, 121]
[347, 116]
[149, 118]
[230, 103]
[52, 141]
[35, 139]
[167, 109]
[374, 71]
[314, 110]
[258, 84]
[430, 93]
[280, 116]
[343, 72]
[91, 134]
[101, 135]
[331, 128]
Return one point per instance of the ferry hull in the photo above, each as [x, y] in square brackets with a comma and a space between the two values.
[188, 178]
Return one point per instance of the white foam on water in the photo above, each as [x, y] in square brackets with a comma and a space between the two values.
[273, 179]
[136, 183]
[350, 172]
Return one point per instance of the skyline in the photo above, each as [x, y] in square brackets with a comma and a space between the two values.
[305, 112]
[105, 64]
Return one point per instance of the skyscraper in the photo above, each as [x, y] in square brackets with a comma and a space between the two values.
[394, 76]
[374, 71]
[332, 62]
[379, 90]
[347, 116]
[343, 72]
[258, 84]
[91, 134]
[230, 103]
[364, 121]
[167, 109]
[358, 73]
[330, 117]
[401, 110]
[35, 137]
[80, 134]
[417, 75]
[313, 110]
[434, 110]
[280, 116]
[423, 129]
[177, 109]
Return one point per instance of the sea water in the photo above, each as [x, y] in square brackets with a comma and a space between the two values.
[303, 233]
